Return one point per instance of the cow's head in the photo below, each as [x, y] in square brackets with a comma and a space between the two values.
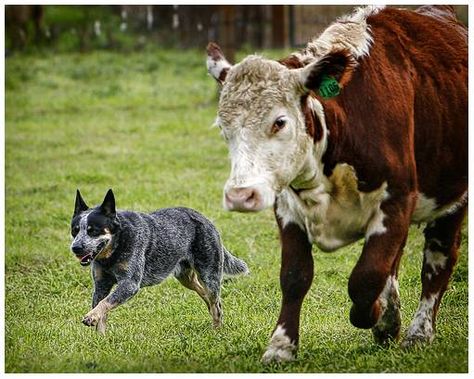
[260, 116]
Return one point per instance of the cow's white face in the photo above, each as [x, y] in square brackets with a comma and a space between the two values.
[261, 120]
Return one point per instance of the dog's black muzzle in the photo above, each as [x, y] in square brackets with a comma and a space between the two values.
[86, 259]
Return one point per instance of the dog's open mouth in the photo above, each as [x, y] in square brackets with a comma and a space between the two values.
[86, 260]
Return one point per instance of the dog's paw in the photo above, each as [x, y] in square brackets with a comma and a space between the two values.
[97, 320]
[91, 319]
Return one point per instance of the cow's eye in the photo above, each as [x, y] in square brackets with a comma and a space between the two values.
[279, 124]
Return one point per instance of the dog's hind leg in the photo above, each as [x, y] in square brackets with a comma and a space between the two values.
[211, 285]
[190, 279]
[208, 256]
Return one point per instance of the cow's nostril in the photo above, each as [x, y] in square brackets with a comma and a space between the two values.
[251, 197]
[242, 199]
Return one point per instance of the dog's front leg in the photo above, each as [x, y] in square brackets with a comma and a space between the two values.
[97, 316]
[101, 290]
[103, 283]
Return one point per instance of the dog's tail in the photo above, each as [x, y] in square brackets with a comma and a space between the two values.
[233, 265]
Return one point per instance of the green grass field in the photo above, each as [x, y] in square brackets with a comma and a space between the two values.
[141, 124]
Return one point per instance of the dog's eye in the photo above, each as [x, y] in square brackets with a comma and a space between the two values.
[93, 232]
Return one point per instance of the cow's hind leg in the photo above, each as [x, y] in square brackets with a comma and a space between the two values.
[296, 275]
[442, 240]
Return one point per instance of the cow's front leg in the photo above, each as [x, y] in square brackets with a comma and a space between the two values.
[125, 290]
[373, 284]
[296, 275]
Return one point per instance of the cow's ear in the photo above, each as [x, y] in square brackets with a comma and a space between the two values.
[217, 65]
[329, 74]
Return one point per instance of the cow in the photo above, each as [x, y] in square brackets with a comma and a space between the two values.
[358, 135]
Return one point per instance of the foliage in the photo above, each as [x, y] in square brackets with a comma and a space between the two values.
[141, 124]
[72, 28]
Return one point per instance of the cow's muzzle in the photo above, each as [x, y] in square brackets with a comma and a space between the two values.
[245, 199]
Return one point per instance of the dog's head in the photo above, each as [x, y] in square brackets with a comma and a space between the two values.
[93, 229]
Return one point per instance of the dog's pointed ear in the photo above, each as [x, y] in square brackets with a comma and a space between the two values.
[217, 65]
[80, 205]
[329, 74]
[108, 205]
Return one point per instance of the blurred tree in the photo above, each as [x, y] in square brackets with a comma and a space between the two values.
[129, 27]
[23, 25]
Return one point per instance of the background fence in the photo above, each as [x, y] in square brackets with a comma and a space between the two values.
[184, 26]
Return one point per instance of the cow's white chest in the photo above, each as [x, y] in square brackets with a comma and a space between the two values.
[427, 209]
[335, 213]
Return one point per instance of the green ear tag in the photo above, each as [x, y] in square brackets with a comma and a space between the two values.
[329, 87]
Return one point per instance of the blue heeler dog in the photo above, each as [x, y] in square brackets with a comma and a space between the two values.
[134, 250]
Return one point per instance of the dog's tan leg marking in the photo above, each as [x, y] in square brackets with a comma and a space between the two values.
[123, 265]
[216, 313]
[97, 272]
[190, 280]
[98, 316]
[101, 324]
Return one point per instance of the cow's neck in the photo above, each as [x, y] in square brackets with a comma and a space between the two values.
[329, 206]
[311, 174]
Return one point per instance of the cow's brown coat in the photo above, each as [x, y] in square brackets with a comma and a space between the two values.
[401, 119]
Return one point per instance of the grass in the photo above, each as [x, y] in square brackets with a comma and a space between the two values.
[141, 124]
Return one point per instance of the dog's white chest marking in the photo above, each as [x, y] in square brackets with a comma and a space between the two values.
[335, 213]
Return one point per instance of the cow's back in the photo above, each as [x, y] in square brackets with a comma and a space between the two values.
[404, 117]
[437, 47]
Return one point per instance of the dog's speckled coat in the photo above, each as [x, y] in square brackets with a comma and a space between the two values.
[134, 250]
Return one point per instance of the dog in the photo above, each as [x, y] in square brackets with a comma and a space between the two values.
[133, 250]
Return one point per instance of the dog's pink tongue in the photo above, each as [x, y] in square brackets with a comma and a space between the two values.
[86, 259]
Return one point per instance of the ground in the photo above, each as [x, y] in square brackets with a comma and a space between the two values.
[141, 124]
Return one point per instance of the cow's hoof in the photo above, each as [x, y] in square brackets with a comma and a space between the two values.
[383, 336]
[364, 318]
[278, 355]
[281, 349]
[388, 327]
[412, 340]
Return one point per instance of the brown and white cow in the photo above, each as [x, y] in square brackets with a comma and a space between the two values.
[384, 147]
